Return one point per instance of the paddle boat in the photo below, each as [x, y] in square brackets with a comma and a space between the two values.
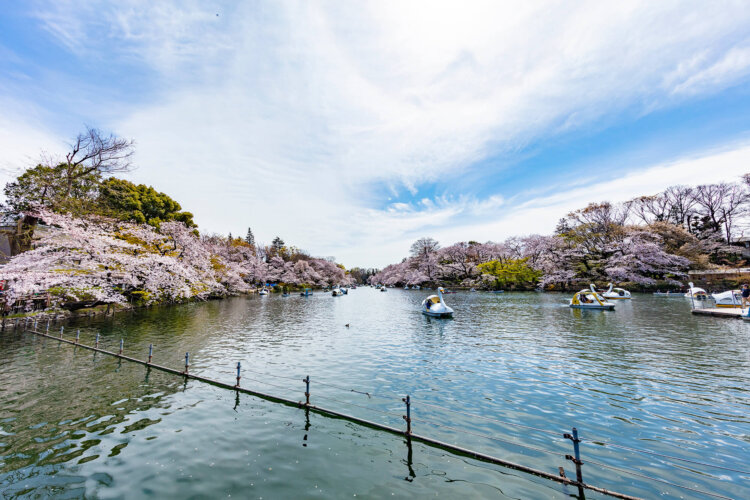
[263, 292]
[616, 293]
[731, 298]
[434, 306]
[306, 293]
[383, 289]
[336, 292]
[589, 299]
[344, 290]
[695, 292]
[416, 287]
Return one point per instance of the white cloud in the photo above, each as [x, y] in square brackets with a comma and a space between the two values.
[539, 212]
[285, 117]
[23, 139]
[728, 70]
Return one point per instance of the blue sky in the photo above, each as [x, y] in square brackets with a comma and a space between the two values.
[351, 129]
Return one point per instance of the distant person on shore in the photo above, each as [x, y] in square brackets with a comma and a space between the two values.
[745, 295]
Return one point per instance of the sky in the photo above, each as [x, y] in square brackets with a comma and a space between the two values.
[351, 129]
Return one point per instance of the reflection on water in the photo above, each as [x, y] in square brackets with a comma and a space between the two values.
[647, 375]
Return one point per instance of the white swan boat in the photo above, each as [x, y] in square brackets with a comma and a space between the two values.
[263, 292]
[383, 289]
[589, 299]
[434, 306]
[730, 298]
[695, 292]
[615, 293]
[336, 292]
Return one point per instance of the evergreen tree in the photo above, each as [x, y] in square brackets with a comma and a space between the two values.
[250, 238]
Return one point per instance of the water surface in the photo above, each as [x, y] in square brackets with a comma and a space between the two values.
[648, 375]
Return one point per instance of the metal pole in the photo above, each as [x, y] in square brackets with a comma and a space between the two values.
[96, 344]
[577, 458]
[78, 335]
[122, 342]
[238, 374]
[407, 417]
[150, 352]
[61, 331]
[47, 325]
[306, 380]
[187, 362]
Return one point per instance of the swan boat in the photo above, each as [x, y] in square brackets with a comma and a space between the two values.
[383, 289]
[263, 292]
[434, 306]
[590, 299]
[306, 293]
[731, 298]
[615, 293]
[695, 292]
[336, 292]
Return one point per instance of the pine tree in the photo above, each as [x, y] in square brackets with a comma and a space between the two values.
[250, 238]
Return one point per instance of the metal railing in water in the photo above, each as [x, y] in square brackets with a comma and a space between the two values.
[573, 436]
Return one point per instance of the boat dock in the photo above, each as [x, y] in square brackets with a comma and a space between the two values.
[722, 312]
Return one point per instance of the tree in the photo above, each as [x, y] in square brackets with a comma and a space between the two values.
[46, 186]
[423, 247]
[681, 204]
[511, 272]
[721, 205]
[277, 244]
[650, 209]
[250, 238]
[70, 184]
[140, 203]
[640, 257]
[93, 153]
[278, 248]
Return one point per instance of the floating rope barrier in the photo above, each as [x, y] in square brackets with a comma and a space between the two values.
[452, 448]
[369, 394]
[503, 422]
[369, 408]
[651, 478]
[663, 455]
[486, 436]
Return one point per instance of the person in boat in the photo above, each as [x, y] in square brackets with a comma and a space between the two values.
[584, 299]
[745, 295]
[429, 304]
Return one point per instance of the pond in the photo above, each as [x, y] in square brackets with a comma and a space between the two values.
[507, 377]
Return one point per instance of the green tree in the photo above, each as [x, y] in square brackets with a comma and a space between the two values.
[510, 272]
[250, 238]
[48, 187]
[139, 203]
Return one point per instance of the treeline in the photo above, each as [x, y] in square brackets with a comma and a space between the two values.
[106, 240]
[649, 240]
